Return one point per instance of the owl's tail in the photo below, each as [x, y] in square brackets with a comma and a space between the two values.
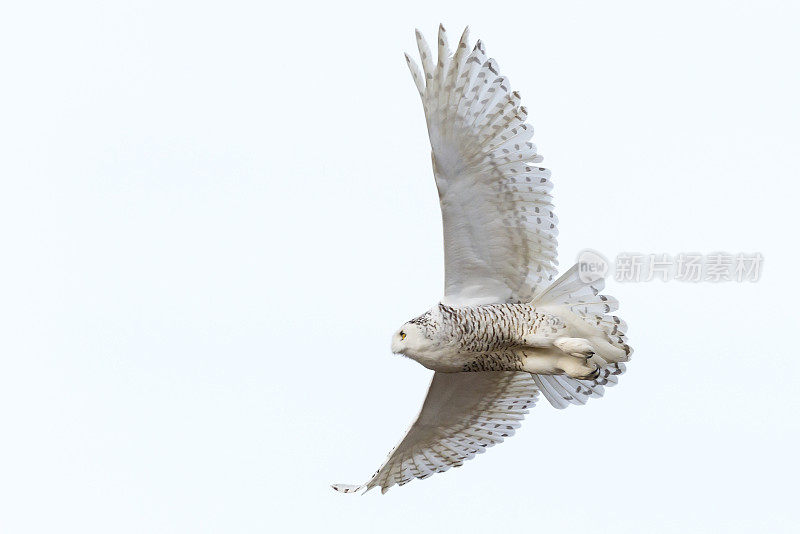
[585, 300]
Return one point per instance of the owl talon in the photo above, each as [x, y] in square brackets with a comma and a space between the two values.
[595, 374]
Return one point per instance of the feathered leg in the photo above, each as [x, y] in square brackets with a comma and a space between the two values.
[554, 361]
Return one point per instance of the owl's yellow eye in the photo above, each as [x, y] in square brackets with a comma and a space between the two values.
[402, 335]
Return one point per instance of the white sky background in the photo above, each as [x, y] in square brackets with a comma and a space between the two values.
[214, 215]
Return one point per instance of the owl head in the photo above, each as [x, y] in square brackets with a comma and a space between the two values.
[415, 337]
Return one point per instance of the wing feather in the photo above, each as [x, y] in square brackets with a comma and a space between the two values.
[496, 250]
[463, 414]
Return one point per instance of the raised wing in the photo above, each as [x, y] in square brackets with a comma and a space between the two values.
[497, 212]
[463, 414]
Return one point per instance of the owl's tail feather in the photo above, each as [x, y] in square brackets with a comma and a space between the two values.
[585, 300]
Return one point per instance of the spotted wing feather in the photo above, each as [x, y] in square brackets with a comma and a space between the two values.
[463, 414]
[497, 212]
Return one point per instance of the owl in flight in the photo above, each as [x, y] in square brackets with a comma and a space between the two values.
[504, 330]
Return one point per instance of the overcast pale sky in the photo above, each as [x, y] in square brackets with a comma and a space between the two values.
[213, 216]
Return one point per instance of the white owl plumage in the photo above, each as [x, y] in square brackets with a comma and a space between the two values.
[500, 248]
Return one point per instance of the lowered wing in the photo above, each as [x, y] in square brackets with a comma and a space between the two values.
[463, 414]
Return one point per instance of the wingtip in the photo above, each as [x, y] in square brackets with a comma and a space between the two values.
[463, 42]
[346, 488]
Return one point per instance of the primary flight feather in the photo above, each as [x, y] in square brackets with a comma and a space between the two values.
[504, 330]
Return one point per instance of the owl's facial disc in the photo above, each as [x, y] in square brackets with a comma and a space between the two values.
[408, 339]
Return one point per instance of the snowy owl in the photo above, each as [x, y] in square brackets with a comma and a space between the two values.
[504, 330]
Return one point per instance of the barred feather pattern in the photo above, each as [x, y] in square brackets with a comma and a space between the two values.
[492, 327]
